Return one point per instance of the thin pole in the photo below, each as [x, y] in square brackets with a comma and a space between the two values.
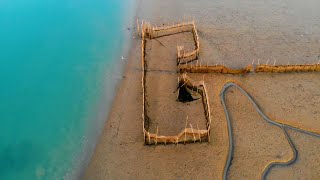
[185, 131]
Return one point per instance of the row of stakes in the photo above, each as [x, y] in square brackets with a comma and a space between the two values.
[185, 134]
[199, 62]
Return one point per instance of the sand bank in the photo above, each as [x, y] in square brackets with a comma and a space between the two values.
[229, 35]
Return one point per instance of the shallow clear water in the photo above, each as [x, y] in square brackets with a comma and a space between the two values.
[58, 71]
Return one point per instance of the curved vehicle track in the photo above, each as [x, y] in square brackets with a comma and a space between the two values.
[283, 127]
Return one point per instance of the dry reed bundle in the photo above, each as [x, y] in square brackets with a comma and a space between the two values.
[213, 69]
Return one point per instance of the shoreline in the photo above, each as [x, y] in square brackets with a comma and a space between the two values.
[121, 69]
[120, 91]
[120, 151]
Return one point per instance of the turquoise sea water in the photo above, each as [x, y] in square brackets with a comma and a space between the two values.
[58, 71]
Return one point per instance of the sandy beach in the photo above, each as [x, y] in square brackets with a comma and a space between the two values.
[234, 34]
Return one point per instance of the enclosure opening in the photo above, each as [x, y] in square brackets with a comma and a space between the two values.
[186, 94]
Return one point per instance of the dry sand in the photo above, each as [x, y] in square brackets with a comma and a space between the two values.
[165, 112]
[232, 33]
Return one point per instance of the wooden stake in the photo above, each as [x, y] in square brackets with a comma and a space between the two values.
[185, 131]
[199, 132]
[197, 64]
[156, 141]
[194, 137]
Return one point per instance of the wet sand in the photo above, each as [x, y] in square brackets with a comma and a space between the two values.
[231, 33]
